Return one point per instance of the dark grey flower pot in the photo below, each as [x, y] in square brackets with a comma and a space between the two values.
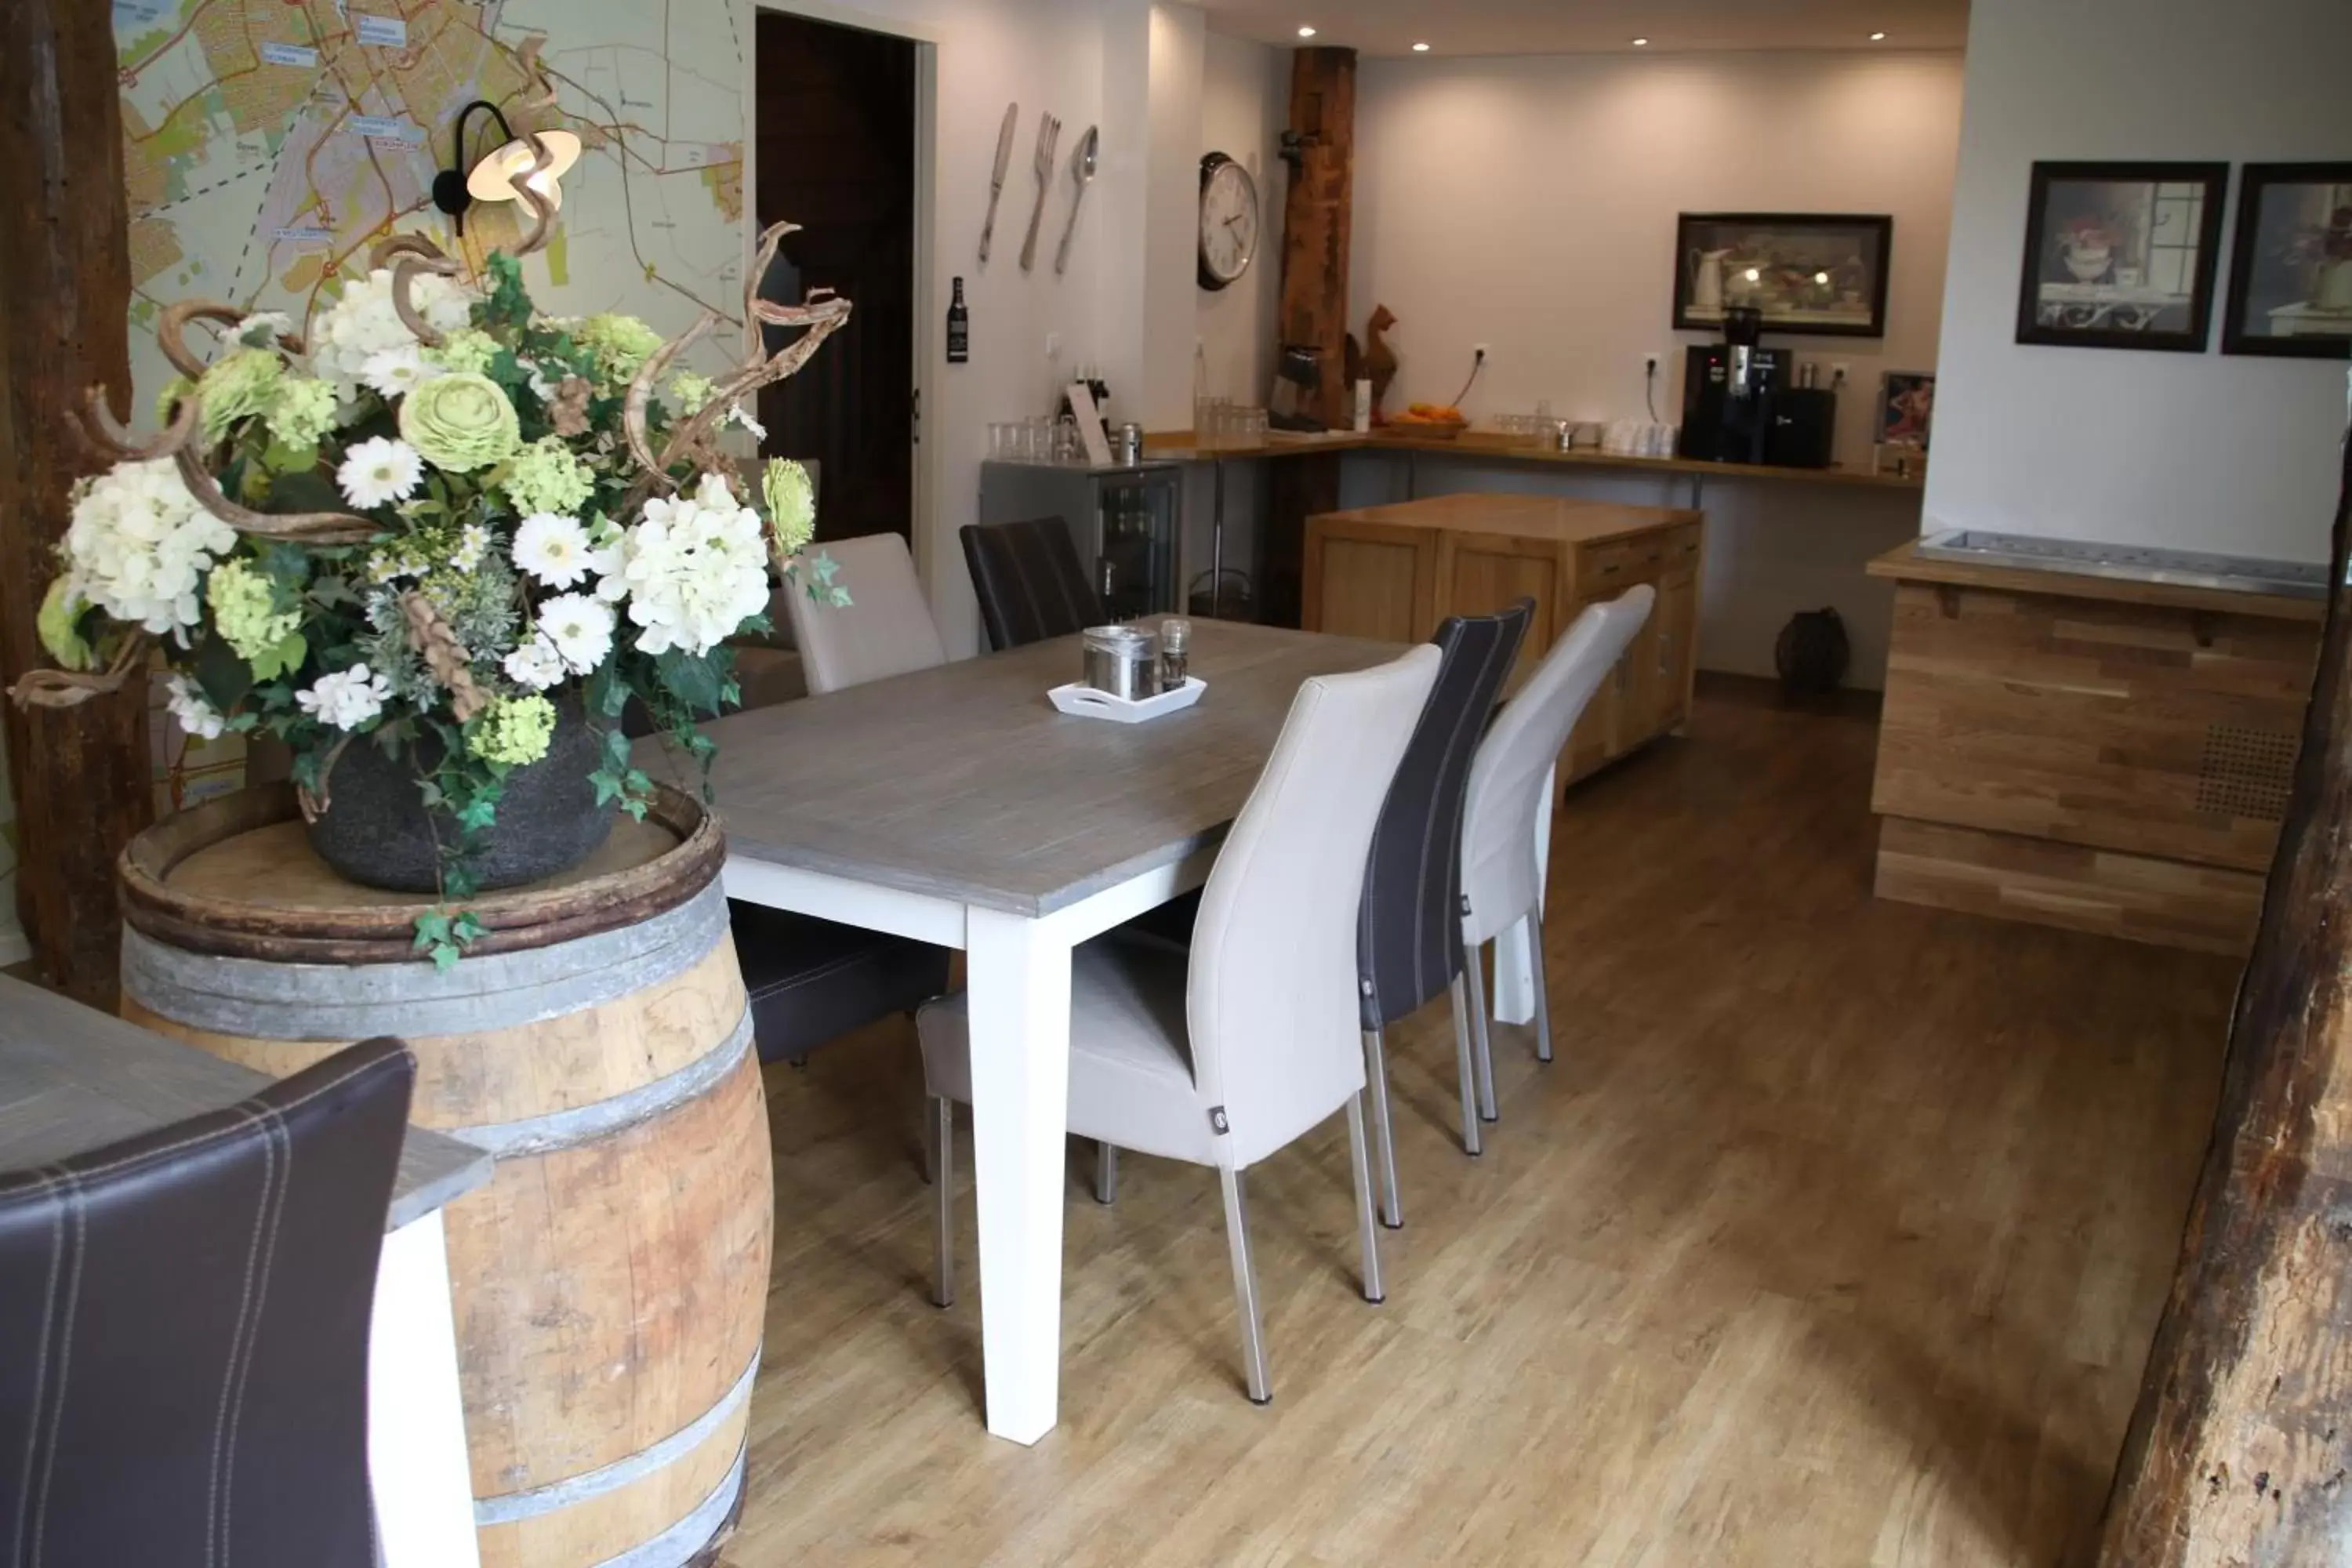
[376, 830]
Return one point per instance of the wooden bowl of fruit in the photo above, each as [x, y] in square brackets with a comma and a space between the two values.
[1430, 422]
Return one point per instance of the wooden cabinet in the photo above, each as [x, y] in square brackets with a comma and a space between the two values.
[1394, 572]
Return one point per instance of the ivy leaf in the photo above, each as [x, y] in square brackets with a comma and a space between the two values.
[693, 679]
[283, 659]
[224, 678]
[280, 459]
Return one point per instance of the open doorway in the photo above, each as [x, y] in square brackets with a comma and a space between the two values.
[835, 121]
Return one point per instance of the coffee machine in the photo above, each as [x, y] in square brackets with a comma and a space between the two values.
[1740, 404]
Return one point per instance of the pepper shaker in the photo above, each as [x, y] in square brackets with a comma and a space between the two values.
[1175, 651]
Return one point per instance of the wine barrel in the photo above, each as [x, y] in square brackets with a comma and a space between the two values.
[609, 1282]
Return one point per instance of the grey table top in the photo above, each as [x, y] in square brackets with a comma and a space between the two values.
[964, 781]
[73, 1078]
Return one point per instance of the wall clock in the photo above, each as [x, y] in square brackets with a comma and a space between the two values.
[1229, 221]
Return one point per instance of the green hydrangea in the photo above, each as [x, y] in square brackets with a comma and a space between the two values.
[791, 505]
[513, 731]
[58, 623]
[303, 411]
[621, 343]
[546, 477]
[466, 349]
[689, 391]
[245, 611]
[460, 422]
[236, 387]
[168, 398]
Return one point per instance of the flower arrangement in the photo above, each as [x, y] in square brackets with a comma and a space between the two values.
[427, 525]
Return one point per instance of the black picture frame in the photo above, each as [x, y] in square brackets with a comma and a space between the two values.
[1855, 301]
[2259, 273]
[2104, 276]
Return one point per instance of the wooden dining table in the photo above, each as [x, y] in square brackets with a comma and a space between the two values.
[957, 806]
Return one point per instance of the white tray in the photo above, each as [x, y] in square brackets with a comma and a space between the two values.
[1083, 701]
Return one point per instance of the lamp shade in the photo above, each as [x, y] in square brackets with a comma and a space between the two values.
[494, 179]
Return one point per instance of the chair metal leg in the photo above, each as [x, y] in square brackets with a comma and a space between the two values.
[1474, 970]
[1105, 1173]
[943, 1202]
[1261, 1390]
[1368, 1235]
[1543, 988]
[1376, 1087]
[1463, 1063]
[931, 1145]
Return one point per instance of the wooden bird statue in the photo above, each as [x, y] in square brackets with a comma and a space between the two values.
[1380, 361]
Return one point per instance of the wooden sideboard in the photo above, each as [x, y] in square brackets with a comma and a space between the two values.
[1394, 572]
[2085, 752]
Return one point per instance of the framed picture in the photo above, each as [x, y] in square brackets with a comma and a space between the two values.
[1907, 407]
[2291, 271]
[2122, 256]
[1822, 274]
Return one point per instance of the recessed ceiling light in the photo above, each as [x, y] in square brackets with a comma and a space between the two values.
[1421, 49]
[1640, 43]
[1306, 32]
[1878, 38]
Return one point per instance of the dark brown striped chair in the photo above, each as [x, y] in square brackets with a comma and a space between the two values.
[1030, 582]
[183, 1331]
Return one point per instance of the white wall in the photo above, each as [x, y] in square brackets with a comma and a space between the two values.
[1529, 203]
[2197, 451]
[1047, 55]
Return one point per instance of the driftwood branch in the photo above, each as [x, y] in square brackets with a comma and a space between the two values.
[72, 688]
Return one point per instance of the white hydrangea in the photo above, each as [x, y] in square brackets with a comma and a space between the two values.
[695, 568]
[361, 324]
[139, 544]
[195, 713]
[346, 699]
[579, 627]
[536, 665]
[394, 372]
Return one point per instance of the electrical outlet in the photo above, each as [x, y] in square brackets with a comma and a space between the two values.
[1840, 372]
[1652, 362]
[1053, 345]
[1478, 350]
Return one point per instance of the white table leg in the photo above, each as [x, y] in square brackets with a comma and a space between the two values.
[1515, 986]
[1019, 983]
[416, 1423]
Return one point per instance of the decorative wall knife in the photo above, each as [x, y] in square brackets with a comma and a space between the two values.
[996, 181]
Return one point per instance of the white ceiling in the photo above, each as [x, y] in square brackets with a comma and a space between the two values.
[1577, 27]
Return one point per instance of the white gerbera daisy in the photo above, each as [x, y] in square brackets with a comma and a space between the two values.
[395, 372]
[579, 627]
[552, 547]
[379, 471]
[536, 665]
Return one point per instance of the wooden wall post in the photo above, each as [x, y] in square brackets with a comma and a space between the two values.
[2240, 1451]
[78, 775]
[1318, 216]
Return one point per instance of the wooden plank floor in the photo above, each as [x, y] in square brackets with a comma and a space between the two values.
[1835, 1235]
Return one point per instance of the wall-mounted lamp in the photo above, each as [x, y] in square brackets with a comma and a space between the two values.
[493, 178]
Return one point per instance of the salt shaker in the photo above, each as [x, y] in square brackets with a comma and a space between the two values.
[1175, 650]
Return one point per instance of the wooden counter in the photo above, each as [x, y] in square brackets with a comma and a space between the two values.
[1493, 446]
[1394, 572]
[2087, 751]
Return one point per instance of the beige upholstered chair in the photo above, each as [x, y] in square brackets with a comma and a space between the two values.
[1222, 1056]
[886, 629]
[1502, 869]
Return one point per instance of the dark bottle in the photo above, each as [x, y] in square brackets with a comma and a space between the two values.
[959, 329]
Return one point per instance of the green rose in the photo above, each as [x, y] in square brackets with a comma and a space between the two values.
[466, 349]
[513, 731]
[459, 423]
[546, 477]
[622, 344]
[237, 386]
[302, 413]
[791, 505]
[61, 611]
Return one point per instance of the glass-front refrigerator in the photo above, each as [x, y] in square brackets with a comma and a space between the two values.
[1126, 523]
